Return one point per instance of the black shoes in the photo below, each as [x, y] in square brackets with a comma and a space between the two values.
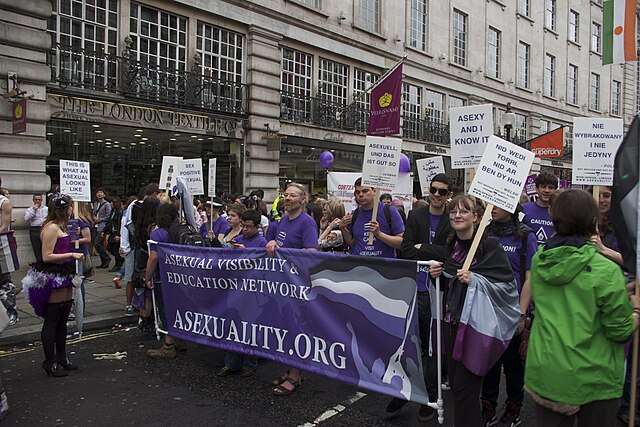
[67, 365]
[105, 264]
[394, 407]
[54, 369]
[115, 268]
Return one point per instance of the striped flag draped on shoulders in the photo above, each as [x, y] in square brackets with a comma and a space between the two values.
[619, 31]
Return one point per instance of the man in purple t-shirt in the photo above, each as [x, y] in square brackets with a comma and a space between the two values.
[250, 237]
[536, 214]
[387, 234]
[296, 230]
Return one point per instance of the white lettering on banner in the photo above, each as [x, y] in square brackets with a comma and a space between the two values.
[541, 222]
[258, 335]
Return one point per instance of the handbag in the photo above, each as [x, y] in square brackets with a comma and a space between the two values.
[89, 269]
[526, 334]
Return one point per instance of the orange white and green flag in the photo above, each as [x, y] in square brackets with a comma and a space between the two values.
[619, 32]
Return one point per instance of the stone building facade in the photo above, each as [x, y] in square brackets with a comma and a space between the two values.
[265, 86]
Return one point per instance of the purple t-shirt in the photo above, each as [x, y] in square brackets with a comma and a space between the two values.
[299, 233]
[538, 218]
[220, 226]
[434, 222]
[512, 246]
[256, 241]
[361, 236]
[160, 235]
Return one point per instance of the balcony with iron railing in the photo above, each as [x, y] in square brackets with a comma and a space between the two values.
[79, 69]
[353, 117]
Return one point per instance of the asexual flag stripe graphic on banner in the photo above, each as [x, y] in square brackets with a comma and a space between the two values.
[349, 318]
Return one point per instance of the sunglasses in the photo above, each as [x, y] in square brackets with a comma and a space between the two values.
[441, 191]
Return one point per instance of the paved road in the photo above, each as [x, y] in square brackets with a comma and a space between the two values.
[183, 391]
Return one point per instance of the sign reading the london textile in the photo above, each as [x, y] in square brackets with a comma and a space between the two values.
[70, 108]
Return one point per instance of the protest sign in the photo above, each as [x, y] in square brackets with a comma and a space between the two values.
[427, 169]
[470, 129]
[595, 143]
[380, 166]
[502, 173]
[212, 177]
[530, 185]
[75, 180]
[191, 171]
[340, 186]
[353, 319]
[168, 172]
[403, 191]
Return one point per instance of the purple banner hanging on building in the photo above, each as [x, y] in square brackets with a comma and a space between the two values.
[386, 100]
[349, 318]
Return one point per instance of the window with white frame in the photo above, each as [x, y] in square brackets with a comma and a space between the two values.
[411, 110]
[549, 75]
[594, 94]
[544, 126]
[454, 102]
[418, 36]
[362, 81]
[221, 52]
[574, 26]
[521, 127]
[616, 89]
[297, 81]
[568, 138]
[333, 81]
[369, 15]
[523, 65]
[83, 26]
[494, 41]
[523, 7]
[572, 85]
[312, 3]
[159, 37]
[596, 33]
[435, 106]
[550, 14]
[460, 37]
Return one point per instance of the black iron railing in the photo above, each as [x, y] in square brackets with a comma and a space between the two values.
[125, 75]
[353, 117]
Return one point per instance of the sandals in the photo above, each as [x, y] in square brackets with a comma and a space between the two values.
[276, 382]
[280, 390]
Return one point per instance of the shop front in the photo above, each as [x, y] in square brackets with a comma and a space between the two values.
[300, 162]
[125, 142]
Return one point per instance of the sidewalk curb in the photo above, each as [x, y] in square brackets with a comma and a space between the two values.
[21, 335]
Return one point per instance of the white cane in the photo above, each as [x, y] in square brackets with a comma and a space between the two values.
[439, 405]
[156, 315]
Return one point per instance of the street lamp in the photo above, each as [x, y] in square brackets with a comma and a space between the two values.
[508, 120]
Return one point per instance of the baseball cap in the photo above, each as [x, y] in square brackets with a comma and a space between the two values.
[217, 202]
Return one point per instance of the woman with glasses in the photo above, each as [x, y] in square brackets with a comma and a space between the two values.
[491, 271]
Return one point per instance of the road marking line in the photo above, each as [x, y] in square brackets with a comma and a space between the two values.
[335, 410]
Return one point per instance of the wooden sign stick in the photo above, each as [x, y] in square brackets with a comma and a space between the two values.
[374, 214]
[476, 240]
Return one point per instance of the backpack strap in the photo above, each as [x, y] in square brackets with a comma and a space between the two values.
[523, 258]
[387, 215]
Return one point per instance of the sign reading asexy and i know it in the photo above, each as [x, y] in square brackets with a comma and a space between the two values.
[470, 129]
[75, 180]
[502, 173]
[595, 143]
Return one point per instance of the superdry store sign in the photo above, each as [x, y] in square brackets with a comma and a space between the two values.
[71, 108]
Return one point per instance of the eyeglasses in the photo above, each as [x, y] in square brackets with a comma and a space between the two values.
[461, 212]
[441, 191]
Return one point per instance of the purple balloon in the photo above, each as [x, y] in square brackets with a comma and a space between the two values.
[326, 159]
[405, 164]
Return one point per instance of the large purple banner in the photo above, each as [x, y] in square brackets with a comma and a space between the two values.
[349, 318]
[386, 100]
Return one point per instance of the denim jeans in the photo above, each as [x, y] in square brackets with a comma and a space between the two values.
[237, 361]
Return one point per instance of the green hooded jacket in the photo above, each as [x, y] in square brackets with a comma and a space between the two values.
[583, 317]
